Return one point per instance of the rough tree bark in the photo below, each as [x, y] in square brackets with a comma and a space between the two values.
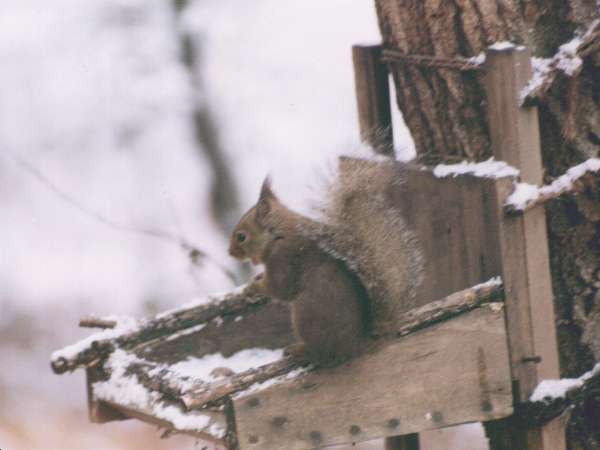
[446, 112]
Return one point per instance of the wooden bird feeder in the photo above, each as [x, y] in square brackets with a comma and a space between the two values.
[468, 351]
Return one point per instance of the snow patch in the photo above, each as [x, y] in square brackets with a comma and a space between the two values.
[552, 389]
[566, 60]
[495, 281]
[522, 195]
[485, 169]
[525, 194]
[257, 387]
[541, 67]
[502, 45]
[186, 332]
[201, 368]
[479, 59]
[127, 390]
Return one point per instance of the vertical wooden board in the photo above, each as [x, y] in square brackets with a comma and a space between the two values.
[454, 220]
[451, 373]
[523, 242]
[373, 98]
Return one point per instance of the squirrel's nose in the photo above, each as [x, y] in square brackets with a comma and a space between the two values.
[233, 251]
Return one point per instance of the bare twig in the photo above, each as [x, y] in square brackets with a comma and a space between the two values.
[195, 254]
[97, 322]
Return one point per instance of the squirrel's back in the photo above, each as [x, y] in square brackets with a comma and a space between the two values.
[370, 233]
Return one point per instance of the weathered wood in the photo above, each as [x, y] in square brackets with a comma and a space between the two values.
[523, 240]
[215, 417]
[199, 393]
[162, 325]
[453, 372]
[199, 396]
[408, 442]
[373, 98]
[268, 326]
[454, 221]
[449, 306]
[97, 322]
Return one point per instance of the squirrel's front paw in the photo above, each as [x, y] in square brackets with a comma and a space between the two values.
[257, 286]
[297, 350]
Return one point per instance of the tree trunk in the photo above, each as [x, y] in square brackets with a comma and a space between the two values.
[446, 112]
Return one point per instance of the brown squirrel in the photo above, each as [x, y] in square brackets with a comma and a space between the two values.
[328, 302]
[346, 275]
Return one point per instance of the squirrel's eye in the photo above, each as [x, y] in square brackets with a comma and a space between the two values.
[241, 237]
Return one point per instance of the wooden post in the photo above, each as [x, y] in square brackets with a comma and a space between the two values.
[373, 98]
[524, 250]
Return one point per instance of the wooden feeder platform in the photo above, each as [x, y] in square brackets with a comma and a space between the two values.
[479, 339]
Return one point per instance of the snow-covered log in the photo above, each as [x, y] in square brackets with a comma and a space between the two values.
[129, 335]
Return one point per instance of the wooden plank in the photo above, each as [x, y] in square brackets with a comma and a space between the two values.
[215, 417]
[523, 241]
[266, 327]
[455, 223]
[373, 98]
[451, 373]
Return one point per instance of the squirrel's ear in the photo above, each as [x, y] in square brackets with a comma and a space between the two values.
[266, 198]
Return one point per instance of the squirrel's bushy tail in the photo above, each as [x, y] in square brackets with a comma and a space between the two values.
[369, 232]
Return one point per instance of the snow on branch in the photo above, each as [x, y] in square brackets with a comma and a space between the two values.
[491, 292]
[485, 169]
[525, 196]
[568, 60]
[553, 397]
[125, 388]
[131, 334]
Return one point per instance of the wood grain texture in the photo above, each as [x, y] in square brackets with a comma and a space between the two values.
[453, 219]
[373, 98]
[523, 241]
[266, 327]
[161, 328]
[450, 373]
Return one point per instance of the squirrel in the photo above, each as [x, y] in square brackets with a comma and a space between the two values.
[348, 274]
